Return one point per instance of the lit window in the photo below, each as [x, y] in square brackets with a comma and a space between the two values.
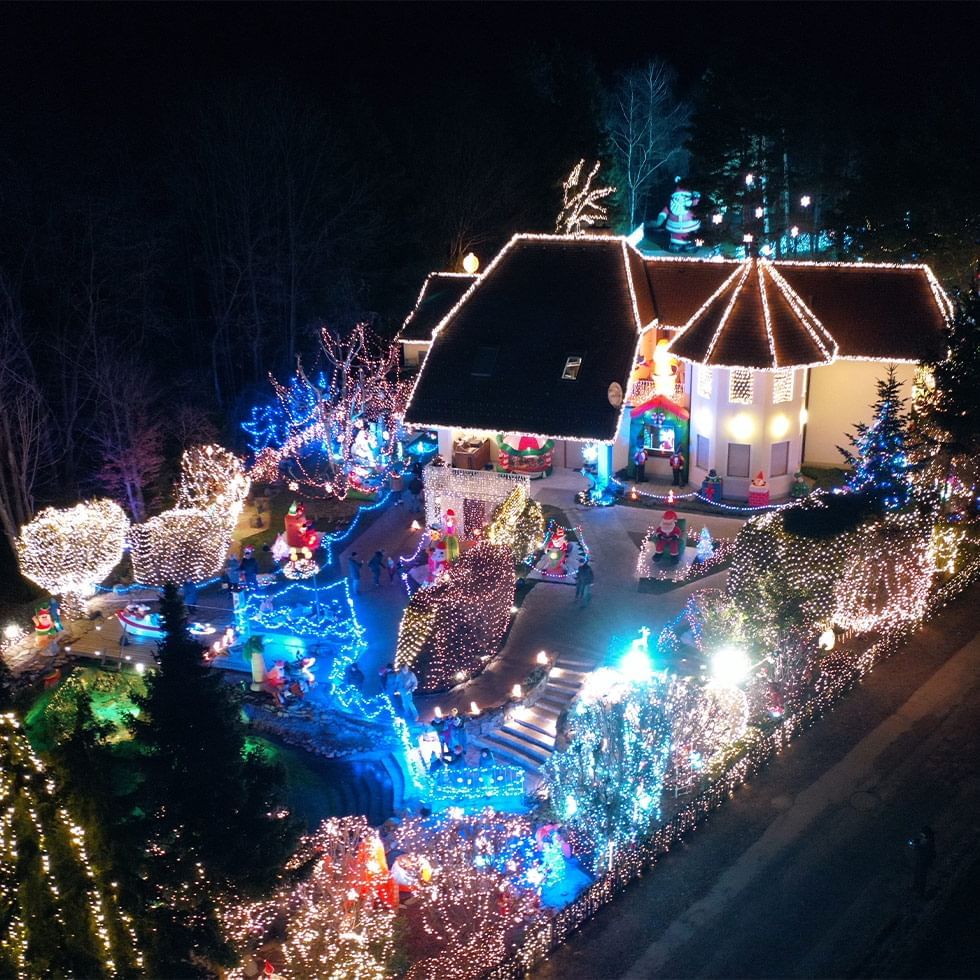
[740, 387]
[572, 366]
[782, 386]
[704, 381]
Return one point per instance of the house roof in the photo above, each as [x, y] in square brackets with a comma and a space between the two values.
[755, 320]
[440, 292]
[496, 363]
[501, 340]
[679, 286]
[886, 312]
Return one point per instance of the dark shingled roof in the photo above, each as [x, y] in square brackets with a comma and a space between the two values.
[873, 311]
[732, 329]
[680, 286]
[540, 302]
[441, 291]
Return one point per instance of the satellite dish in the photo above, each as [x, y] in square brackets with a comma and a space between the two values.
[615, 394]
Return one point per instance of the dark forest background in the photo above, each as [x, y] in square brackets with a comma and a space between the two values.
[189, 192]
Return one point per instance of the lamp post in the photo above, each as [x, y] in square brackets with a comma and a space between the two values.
[805, 202]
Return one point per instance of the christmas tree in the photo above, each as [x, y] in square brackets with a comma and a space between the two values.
[879, 456]
[948, 406]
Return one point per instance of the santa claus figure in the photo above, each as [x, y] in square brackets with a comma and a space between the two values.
[667, 537]
[557, 552]
[678, 215]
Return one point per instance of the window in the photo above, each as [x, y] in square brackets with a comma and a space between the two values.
[782, 386]
[660, 438]
[572, 365]
[740, 387]
[701, 456]
[704, 381]
[738, 459]
[779, 459]
[483, 363]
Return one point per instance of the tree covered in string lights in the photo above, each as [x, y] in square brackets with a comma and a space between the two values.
[518, 522]
[880, 450]
[212, 478]
[338, 432]
[452, 628]
[210, 813]
[69, 550]
[179, 546]
[948, 406]
[475, 899]
[580, 207]
[607, 779]
[330, 919]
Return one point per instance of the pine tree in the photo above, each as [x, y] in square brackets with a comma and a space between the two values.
[210, 810]
[948, 409]
[879, 456]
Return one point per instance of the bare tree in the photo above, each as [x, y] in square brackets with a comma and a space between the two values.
[22, 418]
[645, 124]
[129, 435]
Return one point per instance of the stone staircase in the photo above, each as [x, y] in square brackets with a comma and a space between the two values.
[528, 739]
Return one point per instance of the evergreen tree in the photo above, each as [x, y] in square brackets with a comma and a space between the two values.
[879, 454]
[948, 410]
[211, 812]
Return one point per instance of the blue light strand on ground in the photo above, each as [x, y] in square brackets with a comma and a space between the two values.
[139, 587]
[673, 498]
[329, 541]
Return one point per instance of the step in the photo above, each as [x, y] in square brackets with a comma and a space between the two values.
[531, 733]
[507, 756]
[523, 753]
[584, 665]
[555, 701]
[545, 724]
[543, 719]
[563, 684]
[567, 674]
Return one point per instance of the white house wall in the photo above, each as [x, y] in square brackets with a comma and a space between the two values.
[841, 394]
[759, 425]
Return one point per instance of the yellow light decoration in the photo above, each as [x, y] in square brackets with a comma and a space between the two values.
[179, 546]
[741, 426]
[70, 550]
[779, 426]
[211, 477]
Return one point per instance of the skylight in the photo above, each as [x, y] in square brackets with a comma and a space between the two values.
[572, 367]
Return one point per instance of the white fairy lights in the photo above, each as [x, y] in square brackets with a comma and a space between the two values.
[70, 550]
[211, 477]
[179, 546]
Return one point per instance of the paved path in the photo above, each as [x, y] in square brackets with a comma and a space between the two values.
[805, 872]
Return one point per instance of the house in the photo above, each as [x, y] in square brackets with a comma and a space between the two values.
[582, 343]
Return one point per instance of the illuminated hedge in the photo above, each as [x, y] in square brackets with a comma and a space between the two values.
[70, 549]
[452, 628]
[179, 546]
[518, 523]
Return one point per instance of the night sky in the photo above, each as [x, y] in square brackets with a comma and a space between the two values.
[95, 70]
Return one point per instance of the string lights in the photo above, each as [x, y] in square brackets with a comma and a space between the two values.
[211, 477]
[69, 550]
[453, 627]
[179, 546]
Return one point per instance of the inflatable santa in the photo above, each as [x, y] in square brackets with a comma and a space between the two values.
[678, 215]
[667, 537]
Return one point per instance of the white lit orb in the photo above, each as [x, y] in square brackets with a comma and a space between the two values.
[827, 640]
[11, 631]
[730, 666]
[470, 263]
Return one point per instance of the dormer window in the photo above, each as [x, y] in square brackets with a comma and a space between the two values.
[573, 364]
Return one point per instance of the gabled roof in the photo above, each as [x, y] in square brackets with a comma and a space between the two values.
[755, 320]
[496, 362]
[440, 292]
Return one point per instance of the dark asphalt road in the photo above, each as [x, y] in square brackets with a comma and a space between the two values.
[805, 873]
